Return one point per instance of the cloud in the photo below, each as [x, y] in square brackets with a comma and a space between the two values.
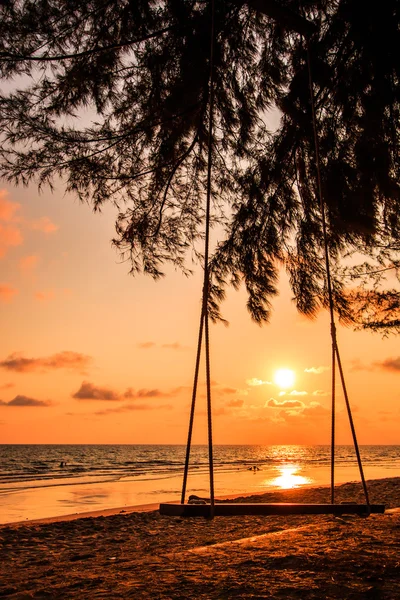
[11, 224]
[316, 370]
[272, 403]
[315, 409]
[7, 386]
[7, 292]
[149, 394]
[255, 382]
[235, 403]
[297, 393]
[133, 407]
[357, 365]
[26, 401]
[7, 208]
[143, 393]
[228, 390]
[146, 345]
[9, 236]
[61, 360]
[175, 346]
[88, 391]
[320, 393]
[44, 224]
[10, 232]
[180, 389]
[45, 295]
[27, 264]
[389, 364]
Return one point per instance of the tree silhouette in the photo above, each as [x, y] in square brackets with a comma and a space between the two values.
[113, 98]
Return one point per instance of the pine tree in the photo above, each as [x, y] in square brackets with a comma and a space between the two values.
[113, 98]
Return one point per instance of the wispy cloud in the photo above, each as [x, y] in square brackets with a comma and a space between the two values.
[315, 409]
[272, 403]
[144, 393]
[146, 345]
[10, 232]
[45, 295]
[175, 346]
[316, 370]
[7, 292]
[44, 224]
[357, 365]
[7, 386]
[235, 403]
[172, 346]
[12, 224]
[62, 360]
[255, 382]
[320, 393]
[227, 391]
[21, 401]
[9, 236]
[8, 209]
[133, 407]
[50, 294]
[27, 264]
[182, 389]
[389, 364]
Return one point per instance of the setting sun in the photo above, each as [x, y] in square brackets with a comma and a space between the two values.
[284, 378]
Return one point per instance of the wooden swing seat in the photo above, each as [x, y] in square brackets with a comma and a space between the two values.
[240, 509]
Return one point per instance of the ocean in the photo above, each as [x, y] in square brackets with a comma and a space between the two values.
[38, 481]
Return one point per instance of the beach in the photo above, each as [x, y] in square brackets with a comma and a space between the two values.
[142, 554]
[96, 479]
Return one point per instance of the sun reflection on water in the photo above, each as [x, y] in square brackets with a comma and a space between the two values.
[288, 479]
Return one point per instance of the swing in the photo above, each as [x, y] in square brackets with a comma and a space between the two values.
[212, 509]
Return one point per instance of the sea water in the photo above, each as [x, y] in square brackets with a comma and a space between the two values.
[38, 481]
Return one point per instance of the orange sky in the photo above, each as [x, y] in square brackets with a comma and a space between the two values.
[89, 354]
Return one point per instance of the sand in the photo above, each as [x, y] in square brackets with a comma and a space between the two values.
[146, 555]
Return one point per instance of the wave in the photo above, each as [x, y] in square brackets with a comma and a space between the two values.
[63, 465]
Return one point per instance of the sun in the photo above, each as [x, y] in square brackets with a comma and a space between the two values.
[284, 378]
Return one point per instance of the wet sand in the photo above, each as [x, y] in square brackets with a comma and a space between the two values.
[146, 555]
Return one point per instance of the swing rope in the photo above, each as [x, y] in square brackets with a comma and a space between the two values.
[335, 348]
[204, 319]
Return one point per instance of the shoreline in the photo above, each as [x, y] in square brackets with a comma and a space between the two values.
[297, 494]
[69, 501]
[148, 507]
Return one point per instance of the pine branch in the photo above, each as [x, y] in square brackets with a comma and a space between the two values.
[9, 57]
